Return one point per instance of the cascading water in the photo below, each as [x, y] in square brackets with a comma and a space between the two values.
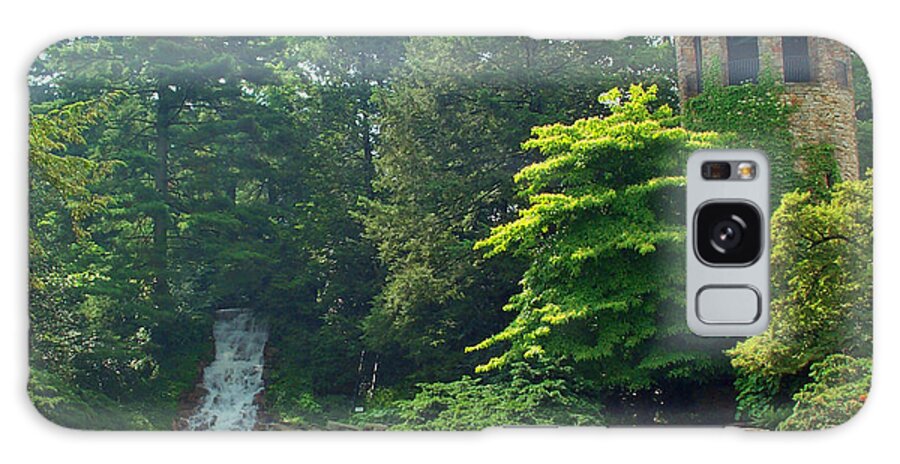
[234, 378]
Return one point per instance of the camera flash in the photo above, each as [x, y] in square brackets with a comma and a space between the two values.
[746, 170]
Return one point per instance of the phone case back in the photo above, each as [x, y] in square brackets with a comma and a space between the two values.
[435, 233]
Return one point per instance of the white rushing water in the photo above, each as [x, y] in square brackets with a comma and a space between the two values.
[234, 378]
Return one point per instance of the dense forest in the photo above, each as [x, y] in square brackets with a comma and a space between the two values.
[433, 233]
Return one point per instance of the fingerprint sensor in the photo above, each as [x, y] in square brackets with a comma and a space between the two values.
[723, 304]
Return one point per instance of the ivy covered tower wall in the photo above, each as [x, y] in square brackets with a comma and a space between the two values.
[817, 80]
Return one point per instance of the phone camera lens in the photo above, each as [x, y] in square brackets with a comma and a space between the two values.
[728, 233]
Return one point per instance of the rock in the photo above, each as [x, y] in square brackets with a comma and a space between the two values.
[335, 425]
[375, 427]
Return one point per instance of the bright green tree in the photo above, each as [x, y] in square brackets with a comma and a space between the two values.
[603, 232]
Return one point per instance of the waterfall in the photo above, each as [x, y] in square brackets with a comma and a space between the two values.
[234, 378]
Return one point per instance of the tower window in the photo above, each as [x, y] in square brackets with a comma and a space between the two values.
[698, 53]
[841, 74]
[796, 59]
[743, 60]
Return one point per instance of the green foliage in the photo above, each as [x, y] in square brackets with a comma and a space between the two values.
[764, 399]
[862, 89]
[864, 143]
[65, 404]
[230, 174]
[839, 387]
[603, 235]
[822, 296]
[324, 129]
[862, 92]
[293, 407]
[751, 115]
[69, 176]
[78, 334]
[97, 316]
[343, 189]
[452, 121]
[529, 398]
[820, 170]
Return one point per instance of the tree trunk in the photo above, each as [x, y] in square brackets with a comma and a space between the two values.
[160, 216]
[368, 156]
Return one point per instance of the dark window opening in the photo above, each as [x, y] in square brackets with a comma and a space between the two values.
[698, 53]
[842, 74]
[743, 60]
[796, 59]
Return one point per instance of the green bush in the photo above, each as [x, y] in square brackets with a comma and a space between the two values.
[67, 405]
[473, 404]
[822, 298]
[838, 390]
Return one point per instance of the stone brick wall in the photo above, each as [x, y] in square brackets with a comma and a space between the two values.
[825, 106]
[770, 55]
[686, 63]
[825, 114]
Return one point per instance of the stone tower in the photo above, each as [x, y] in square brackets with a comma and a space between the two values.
[816, 73]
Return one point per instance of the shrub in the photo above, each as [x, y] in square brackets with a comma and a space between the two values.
[838, 390]
[822, 298]
[530, 398]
